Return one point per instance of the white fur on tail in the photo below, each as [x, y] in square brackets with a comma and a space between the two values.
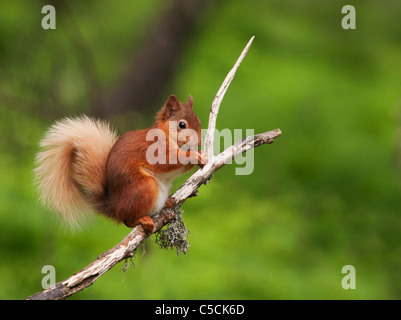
[72, 165]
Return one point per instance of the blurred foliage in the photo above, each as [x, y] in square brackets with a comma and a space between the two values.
[326, 194]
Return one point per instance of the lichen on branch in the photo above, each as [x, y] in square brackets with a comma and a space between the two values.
[174, 235]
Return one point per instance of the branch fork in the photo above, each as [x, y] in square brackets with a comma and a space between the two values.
[126, 248]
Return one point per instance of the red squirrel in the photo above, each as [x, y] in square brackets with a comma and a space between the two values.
[84, 166]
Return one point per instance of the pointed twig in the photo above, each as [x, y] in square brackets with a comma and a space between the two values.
[126, 248]
[214, 110]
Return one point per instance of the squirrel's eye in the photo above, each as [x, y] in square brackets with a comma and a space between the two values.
[182, 125]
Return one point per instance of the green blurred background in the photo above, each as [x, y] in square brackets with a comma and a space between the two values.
[326, 194]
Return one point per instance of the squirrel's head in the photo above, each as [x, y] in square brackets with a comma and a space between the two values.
[182, 122]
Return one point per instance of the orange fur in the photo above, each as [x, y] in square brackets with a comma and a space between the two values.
[83, 166]
[71, 165]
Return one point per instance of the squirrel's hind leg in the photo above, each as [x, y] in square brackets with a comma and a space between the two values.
[142, 198]
[146, 222]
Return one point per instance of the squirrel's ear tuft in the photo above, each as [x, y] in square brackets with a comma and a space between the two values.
[190, 102]
[171, 107]
[171, 101]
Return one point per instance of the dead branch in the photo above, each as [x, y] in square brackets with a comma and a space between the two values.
[214, 110]
[126, 248]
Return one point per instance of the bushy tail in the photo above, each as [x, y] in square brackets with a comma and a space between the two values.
[71, 166]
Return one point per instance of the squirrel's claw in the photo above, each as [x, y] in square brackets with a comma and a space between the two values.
[147, 224]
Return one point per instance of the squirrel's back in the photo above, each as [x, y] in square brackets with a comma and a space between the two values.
[70, 171]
